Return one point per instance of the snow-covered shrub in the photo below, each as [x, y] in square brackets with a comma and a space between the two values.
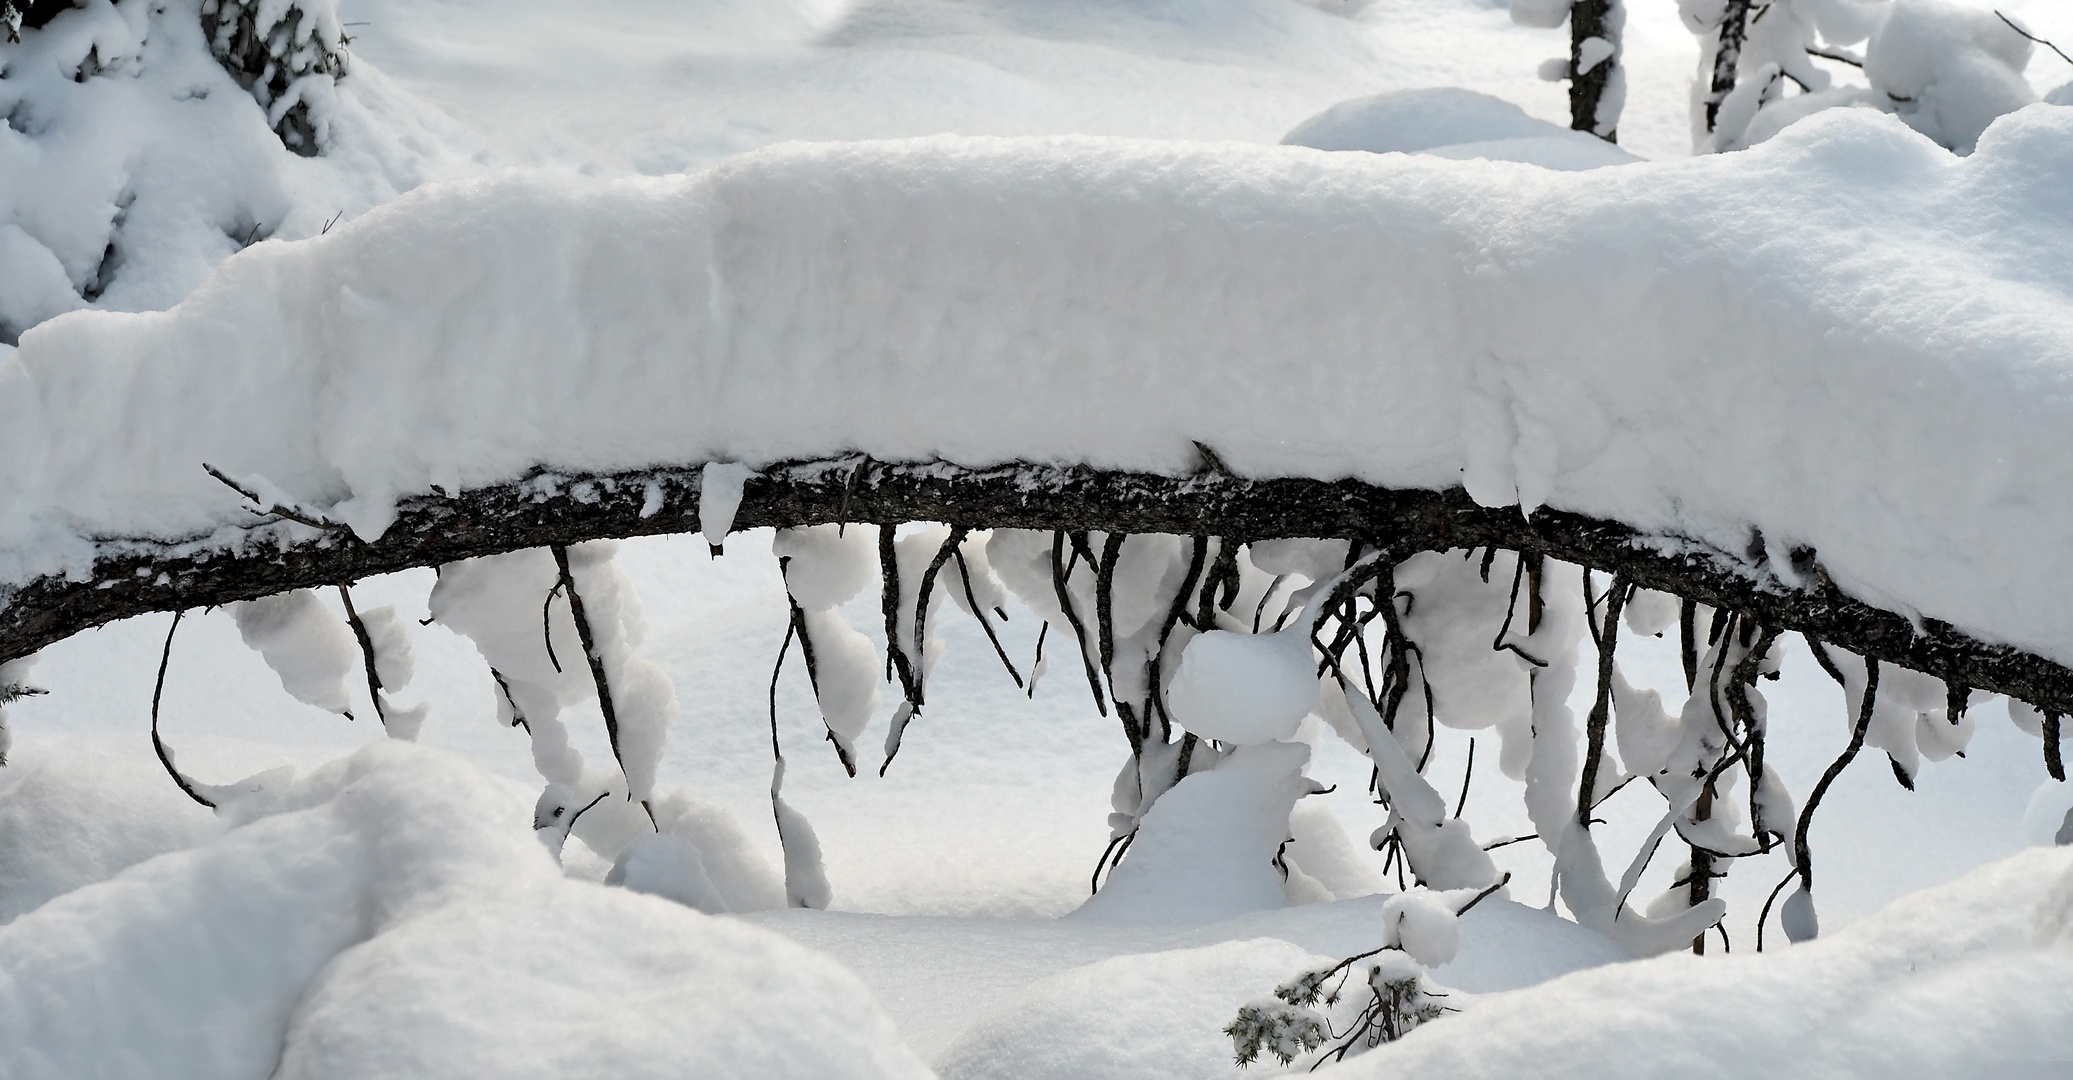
[132, 163]
[1420, 930]
[287, 53]
[1946, 69]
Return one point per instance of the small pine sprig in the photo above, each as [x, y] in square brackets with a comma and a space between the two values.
[1278, 1027]
[13, 692]
[1402, 1004]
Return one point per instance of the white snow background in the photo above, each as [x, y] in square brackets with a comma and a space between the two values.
[391, 915]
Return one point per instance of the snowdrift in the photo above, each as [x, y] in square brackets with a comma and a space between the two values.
[1966, 979]
[390, 915]
[1845, 340]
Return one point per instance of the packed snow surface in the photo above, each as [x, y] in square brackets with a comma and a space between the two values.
[1845, 339]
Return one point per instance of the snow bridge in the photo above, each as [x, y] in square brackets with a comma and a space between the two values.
[1825, 384]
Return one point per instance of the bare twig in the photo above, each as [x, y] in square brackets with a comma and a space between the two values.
[889, 601]
[1468, 773]
[964, 574]
[547, 625]
[1601, 708]
[367, 658]
[921, 609]
[2023, 32]
[261, 507]
[158, 745]
[1059, 573]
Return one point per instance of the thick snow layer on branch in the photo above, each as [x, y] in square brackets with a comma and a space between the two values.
[1846, 339]
[390, 916]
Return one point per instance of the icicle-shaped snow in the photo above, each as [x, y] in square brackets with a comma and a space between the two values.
[719, 496]
[1441, 850]
[304, 642]
[824, 567]
[515, 610]
[806, 881]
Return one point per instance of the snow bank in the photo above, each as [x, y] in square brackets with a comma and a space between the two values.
[71, 818]
[391, 916]
[1846, 339]
[1150, 1016]
[1966, 979]
[1450, 122]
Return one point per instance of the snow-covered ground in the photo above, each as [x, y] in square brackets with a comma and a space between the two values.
[405, 926]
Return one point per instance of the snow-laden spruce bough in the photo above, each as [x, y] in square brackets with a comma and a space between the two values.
[1257, 433]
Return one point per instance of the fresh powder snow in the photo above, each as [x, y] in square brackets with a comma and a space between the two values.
[1847, 338]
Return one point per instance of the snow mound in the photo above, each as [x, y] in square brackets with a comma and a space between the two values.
[72, 818]
[1450, 122]
[1206, 849]
[391, 915]
[1966, 979]
[1150, 1016]
[1845, 340]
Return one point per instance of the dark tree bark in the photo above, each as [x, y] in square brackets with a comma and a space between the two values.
[1592, 19]
[1727, 55]
[133, 577]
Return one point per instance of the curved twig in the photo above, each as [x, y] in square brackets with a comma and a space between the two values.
[158, 745]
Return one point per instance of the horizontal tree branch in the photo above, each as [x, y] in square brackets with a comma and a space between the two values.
[133, 577]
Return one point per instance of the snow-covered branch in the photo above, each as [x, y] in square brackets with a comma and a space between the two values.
[135, 577]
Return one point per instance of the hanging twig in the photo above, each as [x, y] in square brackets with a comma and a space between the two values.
[895, 653]
[1765, 914]
[1601, 708]
[1498, 644]
[597, 670]
[517, 714]
[158, 745]
[1687, 641]
[1036, 665]
[1467, 774]
[1260, 612]
[964, 574]
[1104, 599]
[1801, 854]
[1072, 617]
[1536, 607]
[849, 489]
[1222, 577]
[547, 625]
[2052, 764]
[921, 610]
[367, 658]
[843, 753]
[1111, 857]
[1746, 673]
[777, 752]
[1398, 680]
